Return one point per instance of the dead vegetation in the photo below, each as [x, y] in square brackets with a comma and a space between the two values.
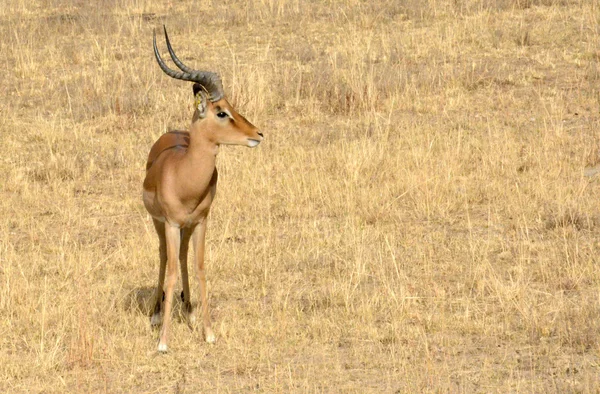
[421, 217]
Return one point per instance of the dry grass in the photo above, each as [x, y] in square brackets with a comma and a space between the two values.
[422, 216]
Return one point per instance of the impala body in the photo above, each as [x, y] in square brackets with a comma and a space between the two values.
[180, 186]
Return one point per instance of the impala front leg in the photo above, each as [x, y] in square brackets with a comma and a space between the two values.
[199, 239]
[186, 234]
[173, 238]
[160, 230]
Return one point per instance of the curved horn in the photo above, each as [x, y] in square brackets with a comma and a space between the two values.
[209, 80]
[176, 60]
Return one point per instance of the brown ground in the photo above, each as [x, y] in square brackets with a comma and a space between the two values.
[423, 215]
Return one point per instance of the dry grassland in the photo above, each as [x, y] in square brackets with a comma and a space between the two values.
[423, 215]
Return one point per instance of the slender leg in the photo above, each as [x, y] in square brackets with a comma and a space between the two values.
[186, 234]
[173, 237]
[160, 230]
[198, 239]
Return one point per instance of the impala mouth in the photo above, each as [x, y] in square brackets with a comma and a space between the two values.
[253, 143]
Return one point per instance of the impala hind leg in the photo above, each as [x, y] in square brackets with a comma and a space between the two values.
[199, 237]
[173, 238]
[160, 294]
[186, 234]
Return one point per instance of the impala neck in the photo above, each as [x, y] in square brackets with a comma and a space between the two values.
[201, 142]
[197, 167]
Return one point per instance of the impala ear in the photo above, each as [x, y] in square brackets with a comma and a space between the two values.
[200, 98]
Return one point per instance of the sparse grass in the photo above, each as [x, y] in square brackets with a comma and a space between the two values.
[418, 218]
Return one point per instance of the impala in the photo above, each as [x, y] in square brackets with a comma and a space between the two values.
[180, 186]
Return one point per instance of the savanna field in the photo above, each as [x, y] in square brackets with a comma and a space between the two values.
[422, 216]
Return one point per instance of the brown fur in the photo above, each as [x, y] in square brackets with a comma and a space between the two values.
[179, 188]
[172, 139]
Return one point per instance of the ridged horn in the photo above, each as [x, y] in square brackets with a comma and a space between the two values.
[209, 80]
[176, 60]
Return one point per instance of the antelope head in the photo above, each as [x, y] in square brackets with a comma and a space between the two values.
[213, 115]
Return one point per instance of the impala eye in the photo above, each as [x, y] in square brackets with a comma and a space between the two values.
[222, 115]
